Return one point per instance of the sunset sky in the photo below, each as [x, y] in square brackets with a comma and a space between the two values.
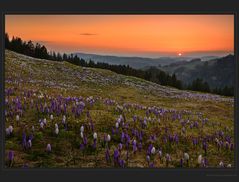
[128, 35]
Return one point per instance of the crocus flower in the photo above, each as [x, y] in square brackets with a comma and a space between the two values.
[221, 164]
[44, 121]
[17, 117]
[29, 143]
[56, 131]
[51, 117]
[122, 163]
[160, 154]
[33, 128]
[151, 165]
[107, 155]
[81, 134]
[168, 159]
[200, 159]
[94, 144]
[10, 155]
[117, 125]
[42, 125]
[7, 131]
[48, 147]
[82, 128]
[84, 140]
[10, 129]
[24, 140]
[148, 158]
[153, 150]
[159, 120]
[120, 146]
[140, 146]
[116, 155]
[95, 135]
[229, 165]
[108, 138]
[181, 162]
[204, 147]
[227, 145]
[64, 119]
[122, 137]
[186, 156]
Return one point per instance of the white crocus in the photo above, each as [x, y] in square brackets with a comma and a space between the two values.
[95, 135]
[44, 121]
[108, 138]
[29, 143]
[64, 119]
[7, 131]
[200, 159]
[17, 117]
[153, 150]
[186, 156]
[117, 125]
[10, 129]
[81, 134]
[221, 164]
[56, 125]
[82, 128]
[41, 124]
[56, 131]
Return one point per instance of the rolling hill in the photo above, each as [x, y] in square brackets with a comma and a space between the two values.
[59, 115]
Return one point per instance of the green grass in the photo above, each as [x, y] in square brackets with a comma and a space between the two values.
[74, 81]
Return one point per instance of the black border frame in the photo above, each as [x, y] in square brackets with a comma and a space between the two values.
[116, 7]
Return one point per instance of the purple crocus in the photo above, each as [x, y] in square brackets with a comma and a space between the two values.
[94, 144]
[140, 146]
[181, 162]
[151, 165]
[84, 140]
[122, 163]
[10, 155]
[204, 146]
[122, 137]
[120, 146]
[116, 155]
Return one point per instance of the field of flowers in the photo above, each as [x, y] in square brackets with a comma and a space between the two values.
[59, 115]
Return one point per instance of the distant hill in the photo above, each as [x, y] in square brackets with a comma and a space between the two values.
[217, 72]
[134, 62]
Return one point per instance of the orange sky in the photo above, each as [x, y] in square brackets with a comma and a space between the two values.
[142, 35]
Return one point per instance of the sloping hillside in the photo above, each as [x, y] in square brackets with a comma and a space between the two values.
[217, 72]
[137, 114]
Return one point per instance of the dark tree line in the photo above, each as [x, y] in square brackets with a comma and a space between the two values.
[203, 86]
[40, 51]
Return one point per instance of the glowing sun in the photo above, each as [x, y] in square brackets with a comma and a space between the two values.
[179, 54]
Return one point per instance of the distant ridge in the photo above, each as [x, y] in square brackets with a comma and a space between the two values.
[135, 62]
